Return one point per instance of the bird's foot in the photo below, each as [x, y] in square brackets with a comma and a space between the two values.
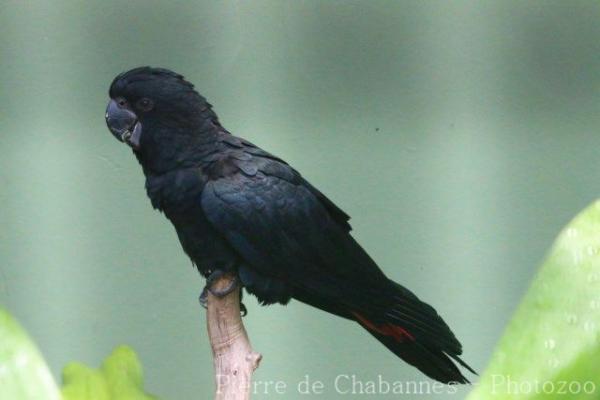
[220, 293]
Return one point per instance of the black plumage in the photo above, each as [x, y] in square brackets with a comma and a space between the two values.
[236, 207]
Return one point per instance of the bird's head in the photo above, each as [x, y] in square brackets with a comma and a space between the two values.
[147, 102]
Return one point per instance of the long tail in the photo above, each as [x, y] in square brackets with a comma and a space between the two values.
[415, 332]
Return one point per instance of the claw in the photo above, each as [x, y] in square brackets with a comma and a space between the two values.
[243, 309]
[203, 299]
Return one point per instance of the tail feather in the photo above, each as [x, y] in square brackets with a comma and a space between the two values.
[415, 332]
[431, 361]
[408, 327]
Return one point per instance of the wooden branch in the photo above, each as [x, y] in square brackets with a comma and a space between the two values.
[233, 357]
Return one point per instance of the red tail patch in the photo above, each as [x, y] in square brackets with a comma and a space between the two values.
[395, 331]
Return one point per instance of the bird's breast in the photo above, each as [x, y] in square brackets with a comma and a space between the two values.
[175, 190]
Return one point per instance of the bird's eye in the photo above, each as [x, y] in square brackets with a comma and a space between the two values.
[122, 102]
[144, 104]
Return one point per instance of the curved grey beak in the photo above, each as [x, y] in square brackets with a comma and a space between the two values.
[123, 124]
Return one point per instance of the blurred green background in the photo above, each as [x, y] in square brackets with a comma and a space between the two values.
[461, 136]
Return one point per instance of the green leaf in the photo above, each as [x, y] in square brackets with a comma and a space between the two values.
[119, 378]
[24, 374]
[123, 373]
[83, 383]
[551, 348]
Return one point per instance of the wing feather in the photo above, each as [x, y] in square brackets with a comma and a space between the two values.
[282, 229]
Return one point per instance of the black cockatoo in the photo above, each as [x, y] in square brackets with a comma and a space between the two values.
[237, 208]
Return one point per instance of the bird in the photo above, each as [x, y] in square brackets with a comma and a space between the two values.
[238, 209]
